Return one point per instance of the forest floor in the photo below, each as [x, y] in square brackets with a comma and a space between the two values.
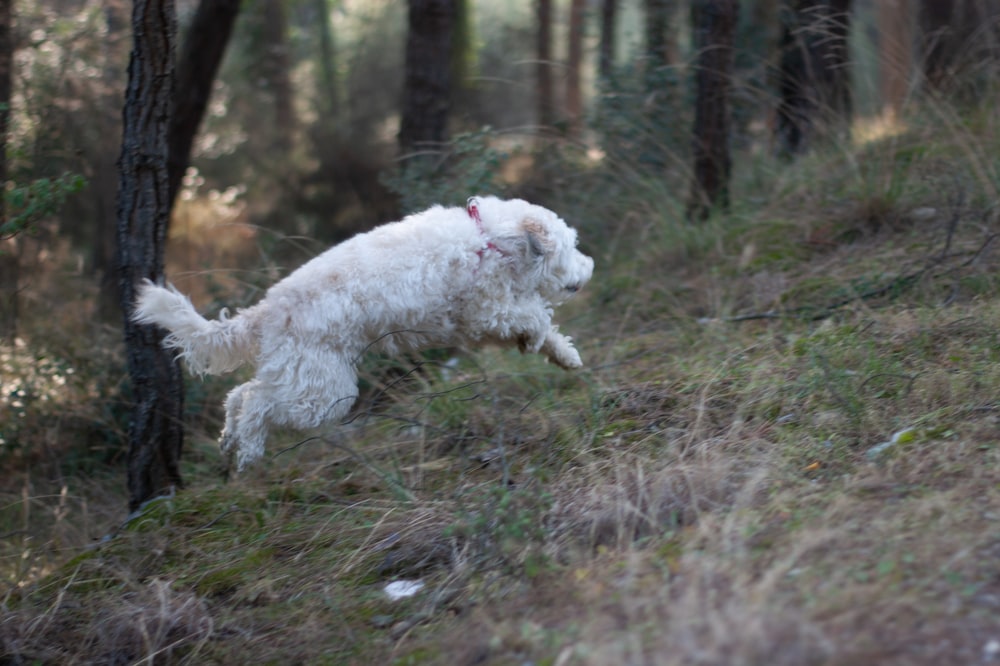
[783, 450]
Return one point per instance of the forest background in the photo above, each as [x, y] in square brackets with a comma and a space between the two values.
[780, 452]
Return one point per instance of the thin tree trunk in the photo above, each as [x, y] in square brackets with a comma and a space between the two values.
[606, 58]
[463, 58]
[277, 65]
[659, 44]
[895, 52]
[156, 434]
[958, 38]
[814, 73]
[197, 66]
[427, 86]
[713, 25]
[9, 255]
[574, 67]
[543, 72]
[328, 62]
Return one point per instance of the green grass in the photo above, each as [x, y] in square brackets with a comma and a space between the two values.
[782, 451]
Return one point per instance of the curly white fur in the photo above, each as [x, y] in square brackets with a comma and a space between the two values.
[488, 273]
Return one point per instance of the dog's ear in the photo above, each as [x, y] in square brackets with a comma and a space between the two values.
[538, 241]
[528, 246]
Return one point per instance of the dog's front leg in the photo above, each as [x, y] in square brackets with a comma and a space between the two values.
[560, 350]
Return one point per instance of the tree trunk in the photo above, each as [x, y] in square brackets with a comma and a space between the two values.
[713, 25]
[199, 62]
[155, 431]
[9, 255]
[330, 100]
[606, 58]
[276, 66]
[814, 72]
[574, 67]
[659, 44]
[957, 38]
[463, 59]
[545, 98]
[427, 84]
[895, 52]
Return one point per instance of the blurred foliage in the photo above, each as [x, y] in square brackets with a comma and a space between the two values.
[469, 165]
[41, 198]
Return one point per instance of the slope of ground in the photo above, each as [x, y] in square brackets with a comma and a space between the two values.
[783, 451]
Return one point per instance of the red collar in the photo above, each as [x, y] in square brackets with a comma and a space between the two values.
[472, 209]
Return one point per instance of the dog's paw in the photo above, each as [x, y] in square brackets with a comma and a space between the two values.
[569, 359]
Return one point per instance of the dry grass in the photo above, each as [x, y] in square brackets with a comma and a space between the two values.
[716, 488]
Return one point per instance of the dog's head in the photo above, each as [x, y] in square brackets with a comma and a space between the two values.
[541, 243]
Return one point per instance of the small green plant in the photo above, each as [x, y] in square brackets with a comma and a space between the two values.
[27, 204]
[509, 524]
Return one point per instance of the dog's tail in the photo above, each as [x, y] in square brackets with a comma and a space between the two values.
[208, 347]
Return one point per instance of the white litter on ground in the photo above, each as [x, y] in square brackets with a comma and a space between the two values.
[400, 589]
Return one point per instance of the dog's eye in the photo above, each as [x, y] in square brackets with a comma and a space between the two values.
[572, 288]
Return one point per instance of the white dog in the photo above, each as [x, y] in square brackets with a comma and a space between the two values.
[487, 273]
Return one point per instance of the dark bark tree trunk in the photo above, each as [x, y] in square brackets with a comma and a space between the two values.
[427, 84]
[957, 38]
[659, 43]
[197, 66]
[606, 56]
[156, 434]
[9, 255]
[574, 67]
[713, 25]
[543, 67]
[814, 72]
[276, 67]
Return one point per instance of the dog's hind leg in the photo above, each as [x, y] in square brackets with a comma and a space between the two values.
[248, 410]
[325, 388]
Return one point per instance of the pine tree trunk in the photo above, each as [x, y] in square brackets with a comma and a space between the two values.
[713, 28]
[427, 85]
[659, 44]
[197, 66]
[814, 73]
[276, 72]
[606, 57]
[895, 52]
[9, 255]
[155, 431]
[574, 67]
[330, 100]
[545, 97]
